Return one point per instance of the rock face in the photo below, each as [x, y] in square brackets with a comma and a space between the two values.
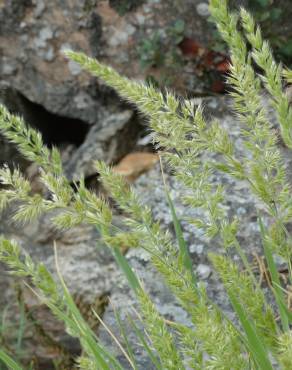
[144, 38]
[33, 63]
[63, 102]
[53, 94]
[108, 143]
[33, 35]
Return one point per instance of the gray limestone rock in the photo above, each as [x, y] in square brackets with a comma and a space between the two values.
[203, 9]
[109, 143]
[31, 33]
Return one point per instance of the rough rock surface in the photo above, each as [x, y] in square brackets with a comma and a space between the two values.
[66, 104]
[54, 95]
[33, 34]
[32, 47]
[108, 143]
[37, 81]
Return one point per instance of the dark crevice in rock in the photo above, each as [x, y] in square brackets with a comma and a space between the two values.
[55, 129]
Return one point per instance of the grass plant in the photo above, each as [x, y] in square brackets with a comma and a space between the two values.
[258, 340]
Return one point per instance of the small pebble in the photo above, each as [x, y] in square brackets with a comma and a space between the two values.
[49, 54]
[213, 103]
[82, 100]
[203, 271]
[74, 68]
[196, 248]
[203, 9]
[40, 8]
[118, 38]
[241, 211]
[130, 30]
[140, 19]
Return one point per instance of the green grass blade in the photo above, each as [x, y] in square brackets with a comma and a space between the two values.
[145, 345]
[84, 330]
[286, 309]
[126, 268]
[183, 248]
[125, 337]
[278, 293]
[84, 333]
[256, 346]
[99, 353]
[9, 362]
[3, 320]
